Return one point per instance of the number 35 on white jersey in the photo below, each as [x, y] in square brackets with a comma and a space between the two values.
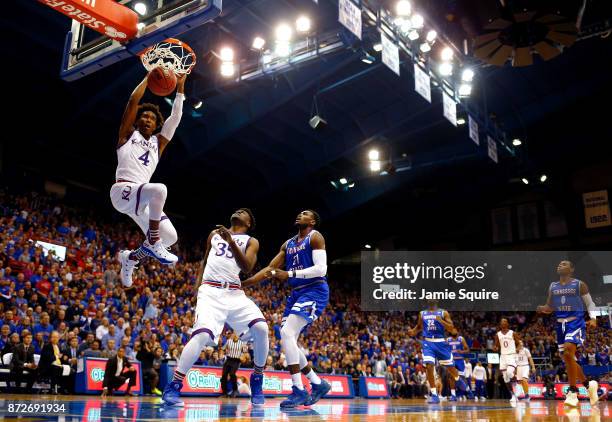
[221, 263]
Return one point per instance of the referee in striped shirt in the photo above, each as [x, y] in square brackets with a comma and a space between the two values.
[233, 350]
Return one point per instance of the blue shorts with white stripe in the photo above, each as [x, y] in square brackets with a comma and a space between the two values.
[308, 302]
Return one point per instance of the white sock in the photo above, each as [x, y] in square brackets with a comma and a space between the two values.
[434, 392]
[313, 377]
[297, 380]
[452, 391]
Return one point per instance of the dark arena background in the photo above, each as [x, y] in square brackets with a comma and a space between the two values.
[421, 125]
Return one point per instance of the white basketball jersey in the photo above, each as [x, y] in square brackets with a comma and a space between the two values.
[137, 158]
[506, 342]
[522, 357]
[221, 264]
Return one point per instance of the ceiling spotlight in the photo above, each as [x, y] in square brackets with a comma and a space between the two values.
[374, 165]
[198, 105]
[283, 49]
[465, 90]
[227, 54]
[467, 75]
[446, 69]
[425, 47]
[377, 47]
[140, 8]
[374, 155]
[517, 142]
[302, 24]
[461, 121]
[543, 178]
[403, 8]
[417, 21]
[367, 58]
[283, 32]
[447, 54]
[405, 26]
[413, 35]
[431, 35]
[140, 25]
[334, 183]
[525, 180]
[367, 246]
[227, 69]
[343, 181]
[351, 185]
[258, 43]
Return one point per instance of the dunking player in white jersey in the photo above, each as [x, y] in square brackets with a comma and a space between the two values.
[221, 301]
[505, 342]
[138, 151]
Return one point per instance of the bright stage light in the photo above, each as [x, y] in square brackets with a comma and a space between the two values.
[417, 21]
[140, 8]
[377, 47]
[447, 54]
[198, 105]
[461, 121]
[413, 35]
[465, 90]
[283, 32]
[227, 69]
[403, 8]
[467, 75]
[517, 142]
[343, 181]
[283, 49]
[425, 47]
[374, 155]
[431, 35]
[302, 24]
[446, 69]
[374, 165]
[258, 43]
[227, 54]
[525, 180]
[543, 178]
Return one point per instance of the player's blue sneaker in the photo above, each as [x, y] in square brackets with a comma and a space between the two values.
[453, 398]
[257, 397]
[318, 391]
[433, 399]
[159, 252]
[470, 395]
[296, 398]
[172, 394]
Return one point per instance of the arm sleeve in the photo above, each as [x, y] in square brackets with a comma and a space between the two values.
[591, 307]
[319, 269]
[174, 119]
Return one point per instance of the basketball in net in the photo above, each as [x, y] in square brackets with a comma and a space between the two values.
[164, 61]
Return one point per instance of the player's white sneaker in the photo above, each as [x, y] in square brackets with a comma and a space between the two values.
[127, 268]
[475, 398]
[571, 399]
[513, 400]
[159, 252]
[593, 397]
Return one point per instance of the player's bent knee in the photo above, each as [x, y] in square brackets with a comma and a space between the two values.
[160, 191]
[259, 330]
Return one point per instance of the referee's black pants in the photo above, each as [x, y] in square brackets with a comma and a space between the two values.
[230, 367]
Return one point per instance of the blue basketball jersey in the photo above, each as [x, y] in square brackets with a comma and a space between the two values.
[298, 256]
[456, 344]
[431, 327]
[565, 299]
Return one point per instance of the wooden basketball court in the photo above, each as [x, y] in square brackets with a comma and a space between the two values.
[134, 409]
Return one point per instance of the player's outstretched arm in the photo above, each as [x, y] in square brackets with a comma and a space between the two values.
[274, 265]
[129, 115]
[466, 348]
[496, 346]
[590, 305]
[174, 119]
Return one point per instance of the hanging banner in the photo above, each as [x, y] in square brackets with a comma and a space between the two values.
[596, 209]
[390, 54]
[450, 108]
[492, 147]
[474, 130]
[422, 82]
[349, 15]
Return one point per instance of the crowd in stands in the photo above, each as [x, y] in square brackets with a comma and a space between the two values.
[75, 307]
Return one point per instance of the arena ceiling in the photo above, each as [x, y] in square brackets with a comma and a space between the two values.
[250, 143]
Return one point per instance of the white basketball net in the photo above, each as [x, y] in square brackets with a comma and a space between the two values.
[169, 55]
